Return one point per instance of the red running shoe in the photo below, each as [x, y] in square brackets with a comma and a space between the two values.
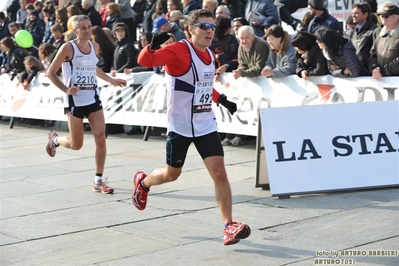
[139, 196]
[235, 232]
[51, 147]
[101, 186]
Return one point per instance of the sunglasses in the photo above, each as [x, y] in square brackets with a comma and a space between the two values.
[205, 26]
[384, 17]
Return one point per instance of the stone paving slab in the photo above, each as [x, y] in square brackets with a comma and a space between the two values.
[50, 216]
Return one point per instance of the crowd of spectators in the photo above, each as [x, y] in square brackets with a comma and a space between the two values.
[368, 46]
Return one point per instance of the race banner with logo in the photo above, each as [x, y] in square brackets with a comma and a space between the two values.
[143, 100]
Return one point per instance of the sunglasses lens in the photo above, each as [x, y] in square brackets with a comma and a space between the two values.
[206, 26]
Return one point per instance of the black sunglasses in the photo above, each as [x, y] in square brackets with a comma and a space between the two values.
[385, 17]
[205, 26]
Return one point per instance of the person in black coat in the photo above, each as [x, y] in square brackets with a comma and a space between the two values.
[125, 55]
[91, 12]
[36, 27]
[340, 53]
[311, 61]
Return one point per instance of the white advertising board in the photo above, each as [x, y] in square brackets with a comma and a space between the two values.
[331, 147]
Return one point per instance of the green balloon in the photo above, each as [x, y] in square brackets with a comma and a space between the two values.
[24, 39]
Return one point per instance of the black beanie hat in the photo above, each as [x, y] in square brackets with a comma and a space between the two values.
[316, 4]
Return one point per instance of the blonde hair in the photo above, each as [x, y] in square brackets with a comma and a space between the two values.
[69, 35]
[34, 62]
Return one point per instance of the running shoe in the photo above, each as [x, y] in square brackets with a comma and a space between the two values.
[51, 147]
[101, 186]
[139, 196]
[235, 232]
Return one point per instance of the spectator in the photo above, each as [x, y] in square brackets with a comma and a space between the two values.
[225, 47]
[61, 17]
[57, 32]
[162, 24]
[47, 52]
[222, 12]
[161, 7]
[288, 7]
[138, 14]
[145, 38]
[13, 28]
[310, 59]
[340, 54]
[32, 67]
[73, 10]
[373, 8]
[362, 36]
[15, 57]
[267, 24]
[125, 54]
[38, 5]
[22, 13]
[306, 19]
[350, 27]
[256, 13]
[238, 23]
[281, 61]
[67, 3]
[49, 15]
[321, 17]
[148, 12]
[114, 15]
[69, 35]
[36, 28]
[384, 58]
[172, 5]
[177, 17]
[106, 49]
[127, 17]
[4, 21]
[104, 12]
[252, 56]
[236, 7]
[91, 12]
[210, 5]
[12, 10]
[190, 5]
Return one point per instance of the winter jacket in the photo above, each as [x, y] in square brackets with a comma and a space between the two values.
[325, 20]
[283, 62]
[125, 55]
[193, 5]
[36, 28]
[252, 61]
[177, 31]
[363, 41]
[347, 58]
[94, 16]
[316, 63]
[385, 52]
[226, 51]
[260, 9]
[111, 20]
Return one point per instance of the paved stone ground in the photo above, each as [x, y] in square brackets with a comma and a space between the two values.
[50, 216]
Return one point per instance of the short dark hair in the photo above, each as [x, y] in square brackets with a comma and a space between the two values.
[2, 15]
[304, 40]
[364, 7]
[196, 14]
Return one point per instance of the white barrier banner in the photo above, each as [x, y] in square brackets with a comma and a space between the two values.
[143, 100]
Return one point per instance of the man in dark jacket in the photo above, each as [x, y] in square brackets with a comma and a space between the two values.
[362, 36]
[147, 17]
[321, 17]
[36, 28]
[4, 21]
[91, 12]
[190, 5]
